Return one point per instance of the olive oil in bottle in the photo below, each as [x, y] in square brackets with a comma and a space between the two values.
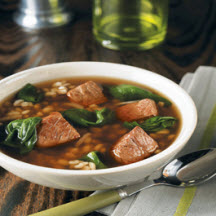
[130, 24]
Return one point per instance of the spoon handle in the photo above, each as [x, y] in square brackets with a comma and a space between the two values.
[83, 206]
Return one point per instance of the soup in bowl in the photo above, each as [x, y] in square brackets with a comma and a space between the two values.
[90, 125]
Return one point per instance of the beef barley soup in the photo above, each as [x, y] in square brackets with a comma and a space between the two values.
[86, 124]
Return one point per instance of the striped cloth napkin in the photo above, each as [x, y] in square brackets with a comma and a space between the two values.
[171, 201]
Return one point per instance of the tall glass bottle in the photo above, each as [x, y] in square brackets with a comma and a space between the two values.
[130, 24]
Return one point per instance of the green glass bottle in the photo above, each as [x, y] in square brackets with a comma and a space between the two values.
[130, 24]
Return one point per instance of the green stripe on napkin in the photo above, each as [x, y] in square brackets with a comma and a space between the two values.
[189, 193]
[185, 201]
[209, 131]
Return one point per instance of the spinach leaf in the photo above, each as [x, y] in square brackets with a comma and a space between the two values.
[104, 116]
[79, 117]
[22, 134]
[87, 118]
[94, 158]
[126, 92]
[153, 124]
[30, 93]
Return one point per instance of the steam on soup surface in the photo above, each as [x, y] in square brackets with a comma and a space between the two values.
[87, 124]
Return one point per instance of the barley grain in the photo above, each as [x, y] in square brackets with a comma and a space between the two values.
[47, 109]
[18, 109]
[103, 150]
[98, 147]
[25, 104]
[161, 104]
[18, 102]
[39, 114]
[74, 105]
[82, 139]
[37, 106]
[92, 166]
[86, 168]
[88, 140]
[80, 165]
[157, 151]
[66, 84]
[25, 112]
[62, 91]
[50, 94]
[171, 136]
[71, 86]
[154, 135]
[11, 113]
[164, 131]
[96, 130]
[12, 117]
[86, 148]
[62, 162]
[74, 162]
[57, 84]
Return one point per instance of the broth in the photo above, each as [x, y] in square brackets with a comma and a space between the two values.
[93, 138]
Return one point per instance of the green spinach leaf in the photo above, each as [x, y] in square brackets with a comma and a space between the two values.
[94, 158]
[22, 134]
[153, 124]
[79, 117]
[126, 92]
[30, 93]
[85, 118]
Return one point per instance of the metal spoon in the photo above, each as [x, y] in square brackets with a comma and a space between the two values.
[189, 170]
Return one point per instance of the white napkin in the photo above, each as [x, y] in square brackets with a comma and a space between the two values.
[169, 201]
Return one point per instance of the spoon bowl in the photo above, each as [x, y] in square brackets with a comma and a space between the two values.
[191, 169]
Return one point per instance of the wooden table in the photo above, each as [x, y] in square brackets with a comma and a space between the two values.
[191, 41]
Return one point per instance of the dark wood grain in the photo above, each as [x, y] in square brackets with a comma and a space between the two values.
[191, 41]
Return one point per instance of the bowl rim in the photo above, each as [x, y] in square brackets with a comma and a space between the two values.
[171, 149]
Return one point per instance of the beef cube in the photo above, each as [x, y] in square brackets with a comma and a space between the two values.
[87, 94]
[138, 110]
[55, 130]
[134, 146]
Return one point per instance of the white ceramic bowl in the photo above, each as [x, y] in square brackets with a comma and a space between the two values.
[111, 177]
